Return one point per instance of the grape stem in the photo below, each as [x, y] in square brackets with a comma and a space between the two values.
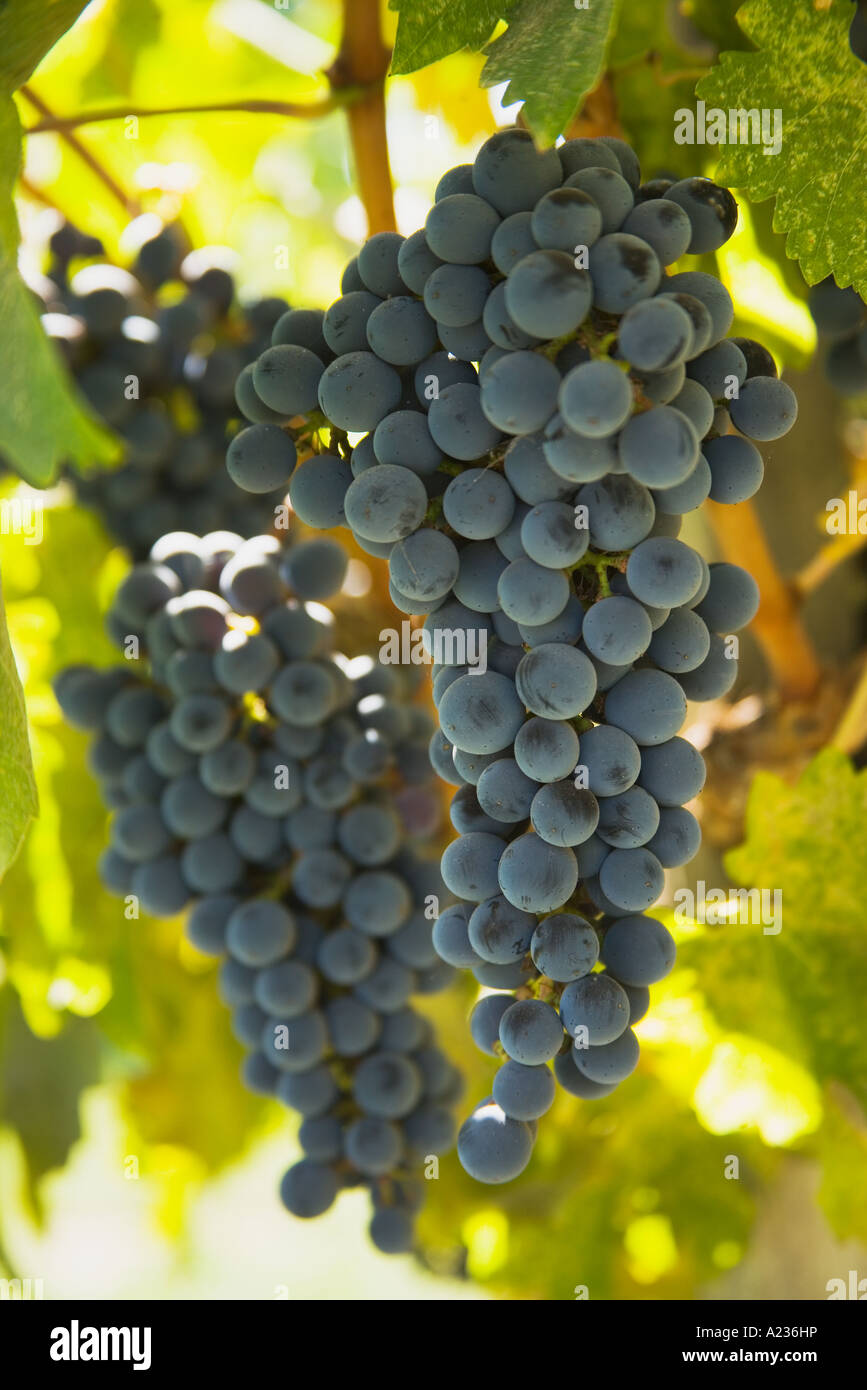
[654, 61]
[601, 564]
[777, 626]
[361, 66]
[130, 205]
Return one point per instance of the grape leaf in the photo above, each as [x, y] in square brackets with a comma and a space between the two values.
[41, 1084]
[842, 1146]
[41, 423]
[18, 800]
[551, 60]
[805, 69]
[641, 1140]
[431, 29]
[786, 989]
[28, 28]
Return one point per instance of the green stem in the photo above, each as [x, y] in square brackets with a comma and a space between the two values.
[600, 563]
[434, 512]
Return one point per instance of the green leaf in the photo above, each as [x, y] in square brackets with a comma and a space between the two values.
[551, 58]
[28, 28]
[805, 69]
[18, 800]
[41, 422]
[600, 1175]
[801, 990]
[431, 29]
[843, 1151]
[41, 1083]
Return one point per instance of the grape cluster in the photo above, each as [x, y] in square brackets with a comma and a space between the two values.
[524, 401]
[156, 352]
[840, 317]
[281, 792]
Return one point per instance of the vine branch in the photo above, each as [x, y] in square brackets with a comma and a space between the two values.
[302, 110]
[777, 625]
[362, 62]
[130, 205]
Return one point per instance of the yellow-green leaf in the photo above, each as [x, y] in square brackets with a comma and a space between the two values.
[42, 424]
[28, 28]
[18, 801]
[805, 69]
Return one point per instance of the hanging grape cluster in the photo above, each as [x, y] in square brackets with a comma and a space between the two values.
[516, 406]
[280, 794]
[155, 351]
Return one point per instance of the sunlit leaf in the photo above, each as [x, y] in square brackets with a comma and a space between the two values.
[805, 69]
[431, 29]
[28, 28]
[41, 423]
[41, 1081]
[18, 800]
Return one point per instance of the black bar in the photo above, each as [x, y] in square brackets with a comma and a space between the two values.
[652, 1336]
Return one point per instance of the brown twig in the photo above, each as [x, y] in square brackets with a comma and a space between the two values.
[303, 110]
[129, 204]
[362, 62]
[777, 625]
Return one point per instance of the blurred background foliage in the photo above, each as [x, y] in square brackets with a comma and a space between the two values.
[132, 1163]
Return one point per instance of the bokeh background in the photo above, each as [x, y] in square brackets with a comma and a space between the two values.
[132, 1164]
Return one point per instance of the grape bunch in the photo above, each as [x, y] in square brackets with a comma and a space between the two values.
[280, 793]
[840, 316]
[523, 401]
[156, 352]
